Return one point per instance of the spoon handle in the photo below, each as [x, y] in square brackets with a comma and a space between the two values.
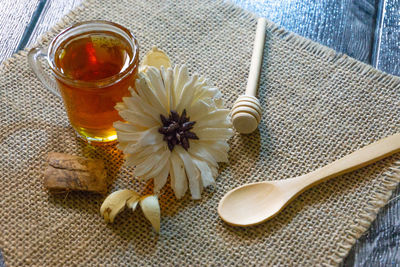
[256, 59]
[358, 159]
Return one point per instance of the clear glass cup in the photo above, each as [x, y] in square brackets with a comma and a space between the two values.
[88, 100]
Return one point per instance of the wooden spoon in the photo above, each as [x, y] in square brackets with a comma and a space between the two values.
[254, 203]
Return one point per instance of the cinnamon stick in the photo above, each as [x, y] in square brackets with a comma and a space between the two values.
[67, 172]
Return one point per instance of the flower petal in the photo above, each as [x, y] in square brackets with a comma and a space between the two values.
[151, 137]
[219, 114]
[130, 160]
[208, 92]
[201, 88]
[214, 133]
[148, 164]
[139, 150]
[168, 78]
[198, 109]
[147, 94]
[129, 136]
[206, 174]
[155, 81]
[214, 171]
[130, 103]
[193, 174]
[150, 157]
[142, 154]
[126, 127]
[181, 75]
[161, 178]
[220, 145]
[134, 104]
[187, 95]
[199, 151]
[178, 175]
[120, 106]
[213, 123]
[122, 145]
[138, 119]
[219, 149]
[219, 155]
[160, 165]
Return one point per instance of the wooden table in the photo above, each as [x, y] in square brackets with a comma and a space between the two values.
[367, 30]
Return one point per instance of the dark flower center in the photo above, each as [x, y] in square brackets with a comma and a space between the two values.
[176, 130]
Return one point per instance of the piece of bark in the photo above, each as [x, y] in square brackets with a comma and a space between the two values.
[67, 172]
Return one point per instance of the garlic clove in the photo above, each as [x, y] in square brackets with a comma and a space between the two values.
[151, 210]
[155, 58]
[115, 203]
[132, 202]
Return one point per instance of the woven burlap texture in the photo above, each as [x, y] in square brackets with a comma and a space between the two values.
[318, 106]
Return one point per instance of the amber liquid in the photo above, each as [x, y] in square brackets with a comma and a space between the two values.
[94, 59]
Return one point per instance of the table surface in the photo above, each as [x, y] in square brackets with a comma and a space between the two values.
[367, 30]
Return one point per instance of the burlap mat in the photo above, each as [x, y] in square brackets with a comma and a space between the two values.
[318, 106]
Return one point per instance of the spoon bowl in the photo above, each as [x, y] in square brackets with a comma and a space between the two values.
[244, 206]
[255, 203]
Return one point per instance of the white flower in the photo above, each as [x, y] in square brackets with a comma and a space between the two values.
[175, 125]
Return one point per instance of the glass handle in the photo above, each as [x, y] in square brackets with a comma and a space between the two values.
[37, 67]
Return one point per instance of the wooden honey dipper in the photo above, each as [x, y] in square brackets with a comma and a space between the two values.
[246, 112]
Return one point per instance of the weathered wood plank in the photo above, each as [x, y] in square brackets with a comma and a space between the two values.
[387, 52]
[15, 16]
[52, 12]
[380, 246]
[346, 26]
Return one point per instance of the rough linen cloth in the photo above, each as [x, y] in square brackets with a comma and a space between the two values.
[318, 106]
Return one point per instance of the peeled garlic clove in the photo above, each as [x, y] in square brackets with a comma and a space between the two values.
[155, 58]
[151, 210]
[115, 203]
[132, 202]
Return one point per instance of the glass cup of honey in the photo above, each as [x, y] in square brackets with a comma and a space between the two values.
[92, 65]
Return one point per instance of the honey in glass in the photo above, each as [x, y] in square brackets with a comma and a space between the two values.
[94, 63]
